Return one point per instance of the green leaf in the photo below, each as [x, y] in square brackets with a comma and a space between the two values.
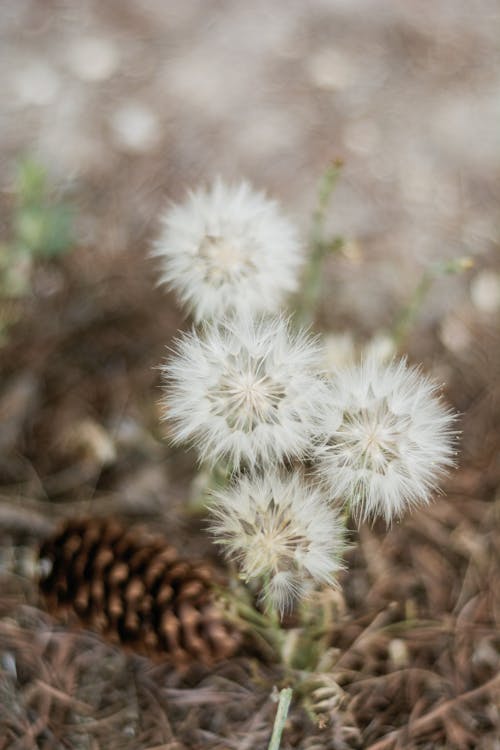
[44, 230]
[31, 183]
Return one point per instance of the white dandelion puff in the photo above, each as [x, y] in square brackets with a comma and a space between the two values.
[246, 390]
[389, 438]
[228, 248]
[282, 533]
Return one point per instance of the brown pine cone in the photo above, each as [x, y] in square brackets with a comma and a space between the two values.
[134, 589]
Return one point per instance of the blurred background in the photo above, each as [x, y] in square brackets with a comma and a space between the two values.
[110, 110]
[127, 103]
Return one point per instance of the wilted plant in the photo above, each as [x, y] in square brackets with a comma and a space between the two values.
[304, 447]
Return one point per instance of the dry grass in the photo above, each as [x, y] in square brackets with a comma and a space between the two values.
[416, 650]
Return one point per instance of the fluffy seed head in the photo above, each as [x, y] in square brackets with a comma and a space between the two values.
[228, 248]
[281, 532]
[246, 390]
[389, 438]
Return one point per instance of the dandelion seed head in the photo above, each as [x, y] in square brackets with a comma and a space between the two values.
[228, 248]
[388, 439]
[246, 390]
[281, 531]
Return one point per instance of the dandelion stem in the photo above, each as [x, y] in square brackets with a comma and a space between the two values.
[280, 719]
[320, 247]
[204, 484]
[410, 312]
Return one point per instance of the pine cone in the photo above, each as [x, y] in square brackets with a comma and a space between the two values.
[133, 588]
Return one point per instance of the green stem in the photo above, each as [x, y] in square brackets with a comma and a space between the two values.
[280, 719]
[320, 247]
[204, 484]
[271, 611]
[245, 614]
[410, 312]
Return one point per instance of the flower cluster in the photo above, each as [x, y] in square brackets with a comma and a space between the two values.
[306, 444]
